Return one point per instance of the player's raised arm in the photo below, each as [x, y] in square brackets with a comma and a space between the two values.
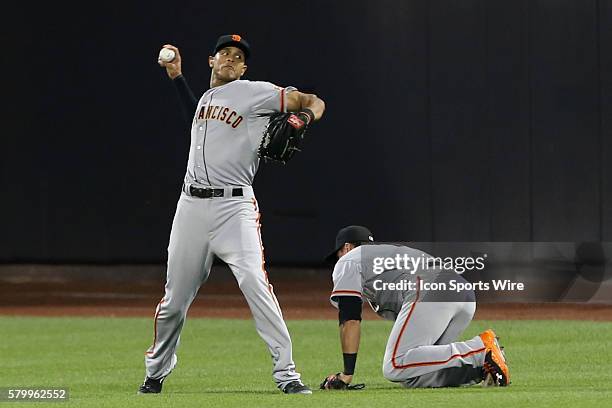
[170, 58]
[296, 101]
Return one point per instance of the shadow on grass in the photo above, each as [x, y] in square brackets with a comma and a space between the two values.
[213, 391]
[278, 392]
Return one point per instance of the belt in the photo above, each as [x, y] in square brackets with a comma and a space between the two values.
[213, 192]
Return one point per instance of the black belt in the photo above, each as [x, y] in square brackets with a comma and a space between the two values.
[213, 192]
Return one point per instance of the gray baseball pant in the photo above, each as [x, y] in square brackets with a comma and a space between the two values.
[229, 228]
[422, 350]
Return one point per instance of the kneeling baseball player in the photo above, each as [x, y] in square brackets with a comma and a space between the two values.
[422, 350]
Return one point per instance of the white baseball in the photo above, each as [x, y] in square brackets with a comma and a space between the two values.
[166, 55]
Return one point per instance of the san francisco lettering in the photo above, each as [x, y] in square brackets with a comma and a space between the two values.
[220, 113]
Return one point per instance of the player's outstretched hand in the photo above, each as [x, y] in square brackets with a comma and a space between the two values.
[173, 68]
[334, 382]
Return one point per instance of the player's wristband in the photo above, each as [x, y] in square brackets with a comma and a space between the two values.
[310, 114]
[350, 359]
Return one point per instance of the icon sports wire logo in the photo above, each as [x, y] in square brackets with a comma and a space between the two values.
[427, 262]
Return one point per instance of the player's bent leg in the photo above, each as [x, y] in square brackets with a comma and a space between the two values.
[412, 351]
[454, 376]
[189, 262]
[496, 371]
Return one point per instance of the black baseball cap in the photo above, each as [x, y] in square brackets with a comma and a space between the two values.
[233, 40]
[351, 234]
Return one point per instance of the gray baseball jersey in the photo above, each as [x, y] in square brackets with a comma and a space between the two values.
[225, 135]
[355, 275]
[422, 350]
[226, 132]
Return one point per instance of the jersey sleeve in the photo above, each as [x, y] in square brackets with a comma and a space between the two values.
[269, 97]
[347, 280]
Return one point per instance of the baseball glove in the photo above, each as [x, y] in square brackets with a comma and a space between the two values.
[332, 382]
[284, 134]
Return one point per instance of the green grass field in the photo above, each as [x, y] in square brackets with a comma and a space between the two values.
[224, 363]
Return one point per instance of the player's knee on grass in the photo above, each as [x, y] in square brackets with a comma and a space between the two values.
[391, 373]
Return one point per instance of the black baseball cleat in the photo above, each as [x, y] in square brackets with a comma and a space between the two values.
[151, 386]
[296, 387]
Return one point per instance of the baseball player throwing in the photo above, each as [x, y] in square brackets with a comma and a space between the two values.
[422, 350]
[217, 213]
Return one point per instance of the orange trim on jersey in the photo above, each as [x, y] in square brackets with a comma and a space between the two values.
[263, 258]
[441, 362]
[404, 326]
[155, 327]
[282, 108]
[425, 363]
[350, 292]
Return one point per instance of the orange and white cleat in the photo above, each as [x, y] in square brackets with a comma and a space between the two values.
[496, 369]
